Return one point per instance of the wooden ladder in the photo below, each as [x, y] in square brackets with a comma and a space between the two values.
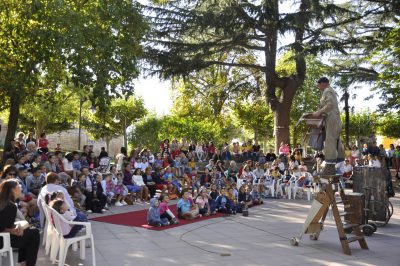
[352, 223]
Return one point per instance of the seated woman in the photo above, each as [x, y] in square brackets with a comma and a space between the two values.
[137, 179]
[186, 207]
[26, 240]
[128, 180]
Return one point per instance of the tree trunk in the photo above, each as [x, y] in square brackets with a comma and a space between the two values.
[294, 138]
[282, 111]
[15, 103]
[39, 128]
[282, 122]
[347, 122]
[107, 139]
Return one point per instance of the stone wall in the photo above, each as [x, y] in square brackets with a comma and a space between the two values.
[69, 140]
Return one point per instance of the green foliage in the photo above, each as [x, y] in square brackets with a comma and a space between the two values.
[146, 133]
[255, 115]
[93, 45]
[205, 130]
[387, 59]
[49, 110]
[112, 122]
[389, 125]
[362, 125]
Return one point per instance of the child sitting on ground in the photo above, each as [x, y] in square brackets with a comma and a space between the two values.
[165, 212]
[153, 215]
[186, 207]
[223, 204]
[232, 198]
[256, 196]
[244, 199]
[202, 203]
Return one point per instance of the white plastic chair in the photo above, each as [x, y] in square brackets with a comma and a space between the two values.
[62, 244]
[49, 230]
[279, 187]
[6, 248]
[296, 188]
[271, 188]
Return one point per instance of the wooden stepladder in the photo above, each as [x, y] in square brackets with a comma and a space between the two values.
[319, 209]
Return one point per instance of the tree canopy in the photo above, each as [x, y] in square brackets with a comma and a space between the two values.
[187, 36]
[95, 45]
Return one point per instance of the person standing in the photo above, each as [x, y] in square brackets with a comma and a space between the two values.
[333, 148]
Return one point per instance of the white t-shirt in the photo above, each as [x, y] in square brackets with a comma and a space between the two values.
[138, 180]
[120, 160]
[144, 166]
[138, 165]
[347, 168]
[374, 163]
[67, 165]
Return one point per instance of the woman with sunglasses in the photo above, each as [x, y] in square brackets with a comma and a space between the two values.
[9, 171]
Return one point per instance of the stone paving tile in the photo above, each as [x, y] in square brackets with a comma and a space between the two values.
[260, 239]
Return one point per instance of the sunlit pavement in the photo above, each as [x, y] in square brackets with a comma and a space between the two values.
[260, 239]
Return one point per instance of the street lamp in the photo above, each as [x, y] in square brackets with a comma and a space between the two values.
[117, 120]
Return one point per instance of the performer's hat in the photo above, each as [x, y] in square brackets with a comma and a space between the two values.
[323, 80]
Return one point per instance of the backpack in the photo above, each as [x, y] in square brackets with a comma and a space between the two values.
[96, 206]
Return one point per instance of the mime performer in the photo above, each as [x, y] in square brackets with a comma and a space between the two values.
[333, 147]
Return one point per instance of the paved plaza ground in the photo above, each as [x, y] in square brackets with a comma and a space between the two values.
[260, 239]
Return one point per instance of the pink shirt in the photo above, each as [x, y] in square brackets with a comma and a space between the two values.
[163, 207]
[284, 150]
[201, 201]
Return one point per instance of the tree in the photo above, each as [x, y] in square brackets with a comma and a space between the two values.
[50, 111]
[191, 35]
[362, 125]
[147, 133]
[387, 58]
[28, 49]
[307, 98]
[254, 115]
[114, 122]
[94, 44]
[389, 125]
